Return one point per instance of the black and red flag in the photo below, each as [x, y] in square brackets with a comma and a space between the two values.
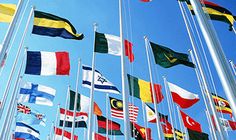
[139, 133]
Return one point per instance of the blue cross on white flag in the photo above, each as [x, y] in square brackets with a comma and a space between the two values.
[100, 82]
[37, 94]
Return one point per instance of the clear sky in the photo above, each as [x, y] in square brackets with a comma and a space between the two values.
[160, 20]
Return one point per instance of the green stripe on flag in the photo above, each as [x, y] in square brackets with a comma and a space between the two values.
[134, 86]
[72, 101]
[101, 44]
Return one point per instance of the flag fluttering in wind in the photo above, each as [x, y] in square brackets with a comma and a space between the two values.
[167, 58]
[143, 90]
[7, 12]
[151, 115]
[37, 94]
[97, 136]
[111, 44]
[80, 118]
[23, 131]
[83, 104]
[196, 135]
[139, 133]
[221, 104]
[190, 123]
[113, 127]
[67, 135]
[100, 82]
[117, 110]
[228, 124]
[52, 25]
[47, 63]
[168, 133]
[182, 97]
[28, 116]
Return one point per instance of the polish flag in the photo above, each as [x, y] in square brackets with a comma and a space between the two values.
[190, 123]
[182, 97]
[67, 135]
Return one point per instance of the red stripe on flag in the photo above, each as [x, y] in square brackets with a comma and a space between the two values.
[70, 113]
[129, 51]
[63, 63]
[157, 89]
[182, 102]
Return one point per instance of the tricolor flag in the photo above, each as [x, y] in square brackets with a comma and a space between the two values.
[143, 90]
[7, 12]
[67, 135]
[111, 44]
[196, 135]
[47, 63]
[117, 110]
[37, 94]
[228, 124]
[97, 136]
[182, 97]
[139, 133]
[83, 104]
[151, 115]
[52, 25]
[24, 131]
[80, 118]
[190, 123]
[221, 104]
[100, 82]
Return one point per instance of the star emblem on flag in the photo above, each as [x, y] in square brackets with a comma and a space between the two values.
[101, 79]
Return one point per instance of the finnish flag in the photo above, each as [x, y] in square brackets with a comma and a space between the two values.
[37, 94]
[24, 131]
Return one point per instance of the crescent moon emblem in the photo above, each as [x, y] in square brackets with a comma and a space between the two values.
[187, 119]
[112, 103]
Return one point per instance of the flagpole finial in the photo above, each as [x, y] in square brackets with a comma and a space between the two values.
[95, 26]
[189, 50]
[33, 7]
[230, 61]
[145, 37]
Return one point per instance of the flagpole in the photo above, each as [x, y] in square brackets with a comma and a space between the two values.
[56, 120]
[180, 120]
[10, 31]
[153, 91]
[107, 98]
[234, 29]
[233, 66]
[144, 119]
[125, 96]
[222, 67]
[210, 126]
[168, 103]
[64, 119]
[52, 131]
[7, 89]
[90, 123]
[219, 128]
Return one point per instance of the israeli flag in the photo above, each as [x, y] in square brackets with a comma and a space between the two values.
[37, 94]
[24, 131]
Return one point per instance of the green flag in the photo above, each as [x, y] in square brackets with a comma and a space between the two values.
[72, 101]
[194, 135]
[166, 57]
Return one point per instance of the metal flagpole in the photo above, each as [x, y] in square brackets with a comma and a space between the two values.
[168, 103]
[222, 67]
[180, 120]
[153, 91]
[107, 98]
[6, 91]
[201, 86]
[90, 123]
[210, 126]
[76, 98]
[233, 66]
[10, 31]
[56, 120]
[125, 96]
[64, 119]
[144, 119]
[234, 29]
[212, 106]
[52, 131]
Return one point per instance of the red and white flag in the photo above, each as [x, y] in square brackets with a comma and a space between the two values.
[67, 135]
[190, 123]
[97, 136]
[182, 97]
[228, 124]
[133, 113]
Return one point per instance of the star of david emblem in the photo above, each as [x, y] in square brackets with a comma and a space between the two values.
[28, 130]
[101, 79]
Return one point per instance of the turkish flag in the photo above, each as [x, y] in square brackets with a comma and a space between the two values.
[190, 123]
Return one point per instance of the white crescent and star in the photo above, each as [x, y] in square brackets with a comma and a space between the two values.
[190, 123]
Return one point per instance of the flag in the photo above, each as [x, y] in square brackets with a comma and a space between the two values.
[143, 90]
[167, 131]
[216, 12]
[67, 135]
[26, 132]
[52, 25]
[139, 133]
[97, 136]
[113, 127]
[145, 0]
[37, 94]
[190, 123]
[110, 44]
[228, 124]
[7, 12]
[151, 115]
[100, 82]
[80, 118]
[195, 135]
[179, 135]
[117, 110]
[166, 57]
[83, 104]
[221, 104]
[182, 97]
[47, 63]
[29, 117]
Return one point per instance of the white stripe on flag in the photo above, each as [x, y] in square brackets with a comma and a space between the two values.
[26, 130]
[114, 46]
[48, 63]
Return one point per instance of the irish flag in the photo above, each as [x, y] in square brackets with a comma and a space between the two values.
[182, 97]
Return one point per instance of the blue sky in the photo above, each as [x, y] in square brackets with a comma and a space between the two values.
[160, 20]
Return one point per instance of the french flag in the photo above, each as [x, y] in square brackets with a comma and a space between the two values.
[47, 63]
[182, 97]
[24, 131]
